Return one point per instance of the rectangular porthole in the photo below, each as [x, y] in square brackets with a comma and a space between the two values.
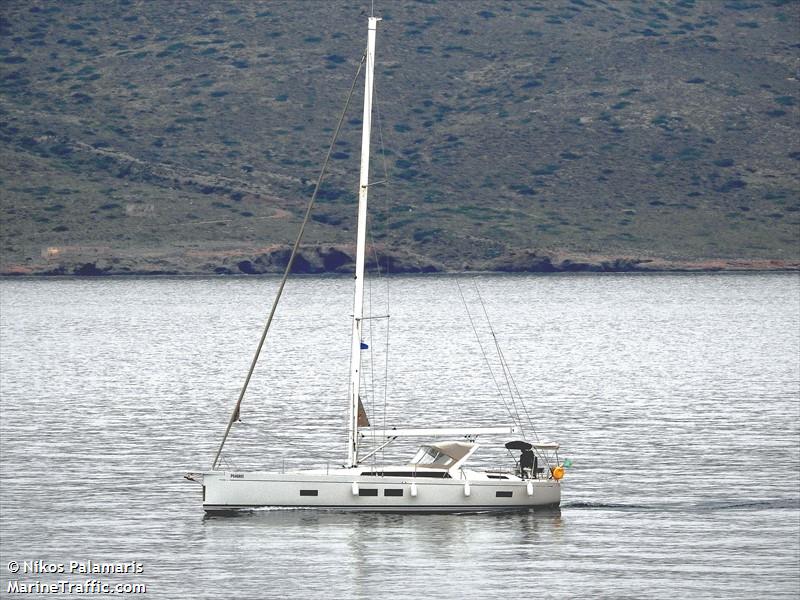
[309, 492]
[392, 492]
[503, 494]
[368, 492]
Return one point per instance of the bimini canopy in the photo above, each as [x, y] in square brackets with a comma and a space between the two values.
[442, 454]
[520, 445]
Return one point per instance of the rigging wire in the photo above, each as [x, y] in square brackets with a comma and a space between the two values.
[504, 364]
[372, 370]
[386, 178]
[516, 389]
[236, 411]
[371, 352]
[485, 357]
[385, 205]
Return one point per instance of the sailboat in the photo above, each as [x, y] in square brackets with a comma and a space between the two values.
[435, 479]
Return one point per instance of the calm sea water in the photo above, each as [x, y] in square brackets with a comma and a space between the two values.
[677, 397]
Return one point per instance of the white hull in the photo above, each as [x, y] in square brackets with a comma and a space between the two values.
[436, 479]
[348, 490]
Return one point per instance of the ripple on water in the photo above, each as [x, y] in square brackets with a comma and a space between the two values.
[675, 396]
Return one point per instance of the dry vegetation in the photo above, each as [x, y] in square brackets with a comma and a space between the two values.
[184, 137]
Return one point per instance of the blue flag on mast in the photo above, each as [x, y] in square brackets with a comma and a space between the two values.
[364, 346]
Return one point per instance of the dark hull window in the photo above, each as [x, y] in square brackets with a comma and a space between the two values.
[309, 492]
[432, 474]
[368, 492]
[503, 494]
[391, 492]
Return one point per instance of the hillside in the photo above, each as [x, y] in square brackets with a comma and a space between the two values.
[185, 137]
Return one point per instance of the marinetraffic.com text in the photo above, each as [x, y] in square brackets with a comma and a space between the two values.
[48, 580]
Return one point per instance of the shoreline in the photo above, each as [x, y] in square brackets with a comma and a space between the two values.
[317, 261]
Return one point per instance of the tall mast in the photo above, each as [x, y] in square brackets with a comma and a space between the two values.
[361, 243]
